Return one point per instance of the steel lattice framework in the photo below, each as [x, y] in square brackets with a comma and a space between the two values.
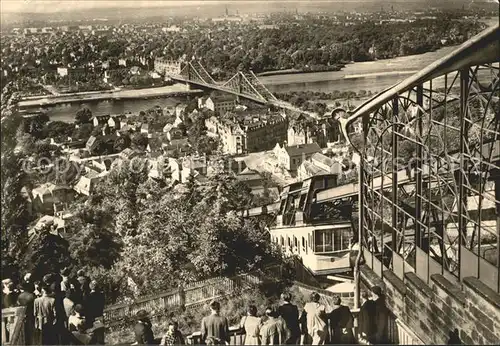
[430, 169]
[243, 83]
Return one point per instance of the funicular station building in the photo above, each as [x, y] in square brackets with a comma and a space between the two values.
[427, 204]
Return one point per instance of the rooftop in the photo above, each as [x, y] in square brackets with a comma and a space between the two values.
[303, 149]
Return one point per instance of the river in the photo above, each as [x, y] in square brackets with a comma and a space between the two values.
[373, 75]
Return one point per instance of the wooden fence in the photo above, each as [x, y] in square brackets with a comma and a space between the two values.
[187, 296]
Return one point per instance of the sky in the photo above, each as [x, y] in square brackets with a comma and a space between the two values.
[48, 6]
[19, 6]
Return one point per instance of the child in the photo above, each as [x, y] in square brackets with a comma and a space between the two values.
[173, 335]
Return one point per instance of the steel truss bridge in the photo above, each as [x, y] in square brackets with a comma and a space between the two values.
[428, 196]
[243, 84]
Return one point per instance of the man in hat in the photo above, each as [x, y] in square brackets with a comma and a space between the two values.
[215, 328]
[381, 316]
[143, 330]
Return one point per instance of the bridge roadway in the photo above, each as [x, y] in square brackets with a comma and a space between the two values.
[276, 103]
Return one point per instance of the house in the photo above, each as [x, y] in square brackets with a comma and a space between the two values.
[122, 62]
[57, 225]
[155, 145]
[193, 165]
[180, 109]
[135, 70]
[145, 128]
[245, 132]
[87, 183]
[128, 154]
[327, 164]
[115, 121]
[307, 169]
[62, 71]
[178, 121]
[98, 120]
[101, 145]
[201, 101]
[92, 144]
[154, 75]
[291, 157]
[175, 169]
[48, 197]
[251, 178]
[158, 167]
[220, 103]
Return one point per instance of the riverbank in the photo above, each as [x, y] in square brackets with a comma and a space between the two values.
[166, 91]
[300, 71]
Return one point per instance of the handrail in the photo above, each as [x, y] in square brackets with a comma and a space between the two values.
[13, 324]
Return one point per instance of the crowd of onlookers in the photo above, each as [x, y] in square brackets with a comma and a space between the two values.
[284, 325]
[60, 309]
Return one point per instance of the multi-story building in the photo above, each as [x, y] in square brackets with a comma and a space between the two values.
[291, 157]
[244, 132]
[166, 66]
[218, 103]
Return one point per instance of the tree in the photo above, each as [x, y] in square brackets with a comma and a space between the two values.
[35, 125]
[83, 116]
[139, 141]
[14, 213]
[189, 235]
[121, 143]
[47, 253]
[83, 131]
[59, 130]
[94, 246]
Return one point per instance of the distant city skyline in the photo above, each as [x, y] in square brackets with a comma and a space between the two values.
[51, 6]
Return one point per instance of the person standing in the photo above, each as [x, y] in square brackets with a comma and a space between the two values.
[290, 314]
[38, 290]
[10, 295]
[251, 323]
[381, 316]
[341, 323]
[45, 314]
[366, 319]
[274, 330]
[143, 329]
[76, 318]
[94, 303]
[314, 319]
[65, 284]
[68, 304]
[173, 335]
[27, 280]
[27, 299]
[215, 328]
[83, 283]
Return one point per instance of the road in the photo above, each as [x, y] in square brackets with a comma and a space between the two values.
[103, 95]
